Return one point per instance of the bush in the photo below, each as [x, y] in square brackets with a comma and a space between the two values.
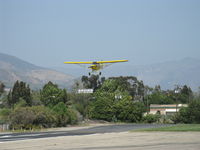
[22, 117]
[29, 117]
[128, 111]
[4, 115]
[44, 117]
[81, 103]
[190, 114]
[73, 119]
[150, 118]
[64, 115]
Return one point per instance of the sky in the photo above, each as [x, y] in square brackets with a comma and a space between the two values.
[49, 32]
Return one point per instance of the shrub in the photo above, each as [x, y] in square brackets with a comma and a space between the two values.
[64, 115]
[22, 117]
[29, 117]
[44, 117]
[73, 119]
[4, 115]
[150, 118]
[128, 111]
[190, 114]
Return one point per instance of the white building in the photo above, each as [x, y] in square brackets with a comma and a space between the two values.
[85, 91]
[167, 109]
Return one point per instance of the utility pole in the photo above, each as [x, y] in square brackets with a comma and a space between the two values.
[176, 91]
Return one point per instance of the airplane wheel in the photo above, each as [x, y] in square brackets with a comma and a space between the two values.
[99, 73]
[89, 73]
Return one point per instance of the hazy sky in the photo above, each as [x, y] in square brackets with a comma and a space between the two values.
[48, 32]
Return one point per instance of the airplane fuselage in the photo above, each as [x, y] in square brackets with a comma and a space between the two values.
[96, 67]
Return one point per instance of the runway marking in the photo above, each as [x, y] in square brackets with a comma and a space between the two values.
[27, 135]
[5, 136]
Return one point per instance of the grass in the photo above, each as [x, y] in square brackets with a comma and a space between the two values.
[175, 128]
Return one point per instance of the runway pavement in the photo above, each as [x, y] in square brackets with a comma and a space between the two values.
[111, 141]
[83, 131]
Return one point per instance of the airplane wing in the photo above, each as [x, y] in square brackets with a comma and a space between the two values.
[97, 62]
[81, 62]
[112, 61]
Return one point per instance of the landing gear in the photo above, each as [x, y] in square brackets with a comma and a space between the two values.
[89, 73]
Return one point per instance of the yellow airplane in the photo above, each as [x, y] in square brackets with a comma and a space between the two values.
[96, 66]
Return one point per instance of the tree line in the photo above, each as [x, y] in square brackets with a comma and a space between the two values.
[116, 99]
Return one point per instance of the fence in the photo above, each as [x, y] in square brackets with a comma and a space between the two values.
[4, 127]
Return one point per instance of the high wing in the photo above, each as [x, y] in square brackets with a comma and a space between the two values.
[96, 62]
[81, 62]
[112, 61]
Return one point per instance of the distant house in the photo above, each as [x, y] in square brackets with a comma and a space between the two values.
[7, 90]
[167, 109]
[85, 91]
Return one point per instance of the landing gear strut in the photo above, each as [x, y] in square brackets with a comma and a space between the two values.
[90, 73]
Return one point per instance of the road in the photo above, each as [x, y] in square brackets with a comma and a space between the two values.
[83, 131]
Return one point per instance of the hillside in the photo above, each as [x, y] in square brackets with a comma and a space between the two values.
[167, 74]
[13, 69]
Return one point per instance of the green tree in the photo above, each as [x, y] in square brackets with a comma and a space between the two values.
[128, 111]
[65, 96]
[15, 94]
[185, 94]
[52, 95]
[2, 86]
[102, 107]
[20, 91]
[130, 84]
[113, 100]
[107, 107]
[159, 97]
[190, 114]
[93, 82]
[36, 98]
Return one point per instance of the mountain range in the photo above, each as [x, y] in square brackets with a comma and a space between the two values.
[166, 74]
[13, 69]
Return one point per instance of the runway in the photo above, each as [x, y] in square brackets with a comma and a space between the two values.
[75, 132]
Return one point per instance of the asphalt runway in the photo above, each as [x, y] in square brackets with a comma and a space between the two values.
[84, 131]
